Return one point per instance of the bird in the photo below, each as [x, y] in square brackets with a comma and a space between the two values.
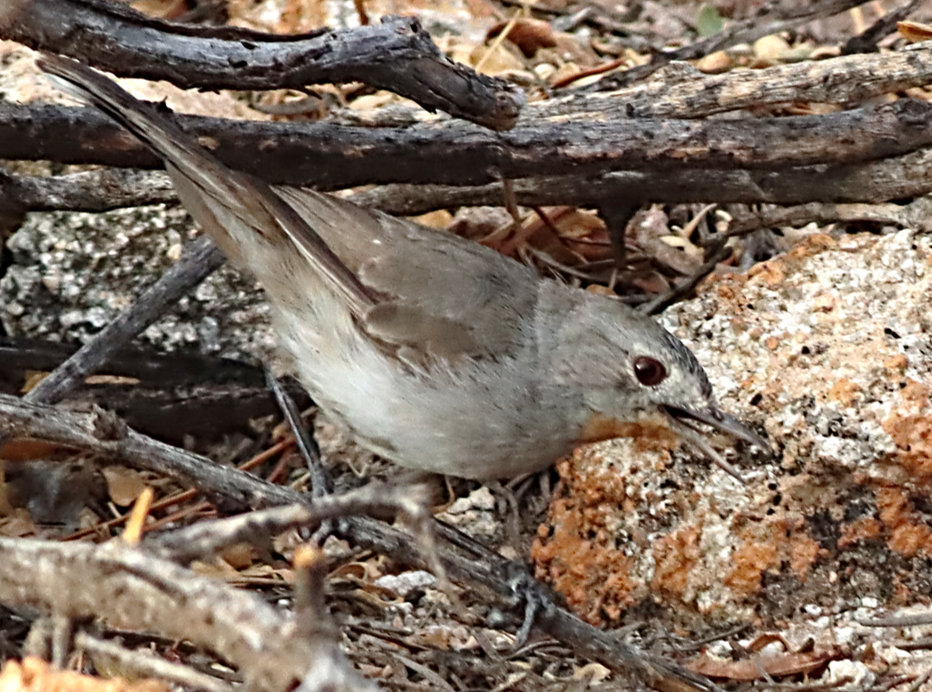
[431, 350]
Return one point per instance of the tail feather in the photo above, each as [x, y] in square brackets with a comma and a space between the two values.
[226, 203]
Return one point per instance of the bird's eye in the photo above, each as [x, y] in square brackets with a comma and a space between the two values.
[649, 371]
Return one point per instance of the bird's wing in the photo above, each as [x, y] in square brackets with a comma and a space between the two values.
[438, 294]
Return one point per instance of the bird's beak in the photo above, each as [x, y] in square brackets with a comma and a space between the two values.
[683, 421]
[720, 421]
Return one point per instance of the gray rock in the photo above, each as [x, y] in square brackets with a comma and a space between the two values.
[73, 272]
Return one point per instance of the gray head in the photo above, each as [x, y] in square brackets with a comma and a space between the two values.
[632, 366]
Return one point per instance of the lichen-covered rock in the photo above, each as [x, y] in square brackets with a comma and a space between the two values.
[72, 273]
[829, 349]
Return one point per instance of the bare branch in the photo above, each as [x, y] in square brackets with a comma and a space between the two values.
[129, 588]
[144, 663]
[467, 155]
[397, 55]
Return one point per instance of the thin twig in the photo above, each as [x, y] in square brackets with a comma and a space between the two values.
[684, 288]
[147, 664]
[199, 261]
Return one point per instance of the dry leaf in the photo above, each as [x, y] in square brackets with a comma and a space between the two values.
[593, 672]
[529, 35]
[914, 32]
[240, 556]
[217, 568]
[765, 639]
[124, 485]
[19, 523]
[35, 675]
[778, 665]
[771, 49]
[164, 9]
[27, 449]
[33, 377]
[435, 219]
[54, 492]
[715, 63]
[111, 379]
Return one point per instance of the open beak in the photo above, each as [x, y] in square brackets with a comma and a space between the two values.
[683, 421]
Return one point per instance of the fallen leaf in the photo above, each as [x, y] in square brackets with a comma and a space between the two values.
[124, 485]
[776, 666]
[35, 675]
[914, 32]
[529, 35]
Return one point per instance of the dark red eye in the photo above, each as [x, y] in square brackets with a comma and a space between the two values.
[649, 371]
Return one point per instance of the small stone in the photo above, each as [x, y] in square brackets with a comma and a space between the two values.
[403, 584]
[855, 672]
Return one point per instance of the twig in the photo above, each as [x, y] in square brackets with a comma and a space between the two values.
[310, 609]
[206, 538]
[104, 434]
[397, 55]
[681, 91]
[185, 495]
[444, 153]
[307, 445]
[883, 27]
[470, 562]
[147, 664]
[859, 191]
[94, 191]
[200, 259]
[899, 177]
[684, 288]
[912, 215]
[920, 680]
[125, 585]
[898, 620]
[772, 18]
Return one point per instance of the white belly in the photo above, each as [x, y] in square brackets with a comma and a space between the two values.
[480, 420]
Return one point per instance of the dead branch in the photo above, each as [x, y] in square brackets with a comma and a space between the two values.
[462, 154]
[168, 395]
[201, 258]
[664, 171]
[772, 18]
[900, 177]
[93, 191]
[397, 55]
[206, 538]
[916, 215]
[871, 182]
[106, 435]
[146, 664]
[130, 588]
[884, 26]
[680, 91]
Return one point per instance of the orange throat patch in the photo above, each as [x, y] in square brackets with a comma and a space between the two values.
[600, 427]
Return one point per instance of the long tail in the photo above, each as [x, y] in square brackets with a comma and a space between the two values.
[227, 204]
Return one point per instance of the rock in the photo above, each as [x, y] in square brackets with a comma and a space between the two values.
[72, 273]
[829, 350]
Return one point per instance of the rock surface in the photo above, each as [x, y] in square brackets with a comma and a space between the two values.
[72, 273]
[827, 348]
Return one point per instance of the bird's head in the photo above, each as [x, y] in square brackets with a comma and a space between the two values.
[629, 367]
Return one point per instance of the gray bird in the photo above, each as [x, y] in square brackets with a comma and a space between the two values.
[433, 351]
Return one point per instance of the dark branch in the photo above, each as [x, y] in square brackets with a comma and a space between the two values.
[397, 55]
[899, 177]
[331, 156]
